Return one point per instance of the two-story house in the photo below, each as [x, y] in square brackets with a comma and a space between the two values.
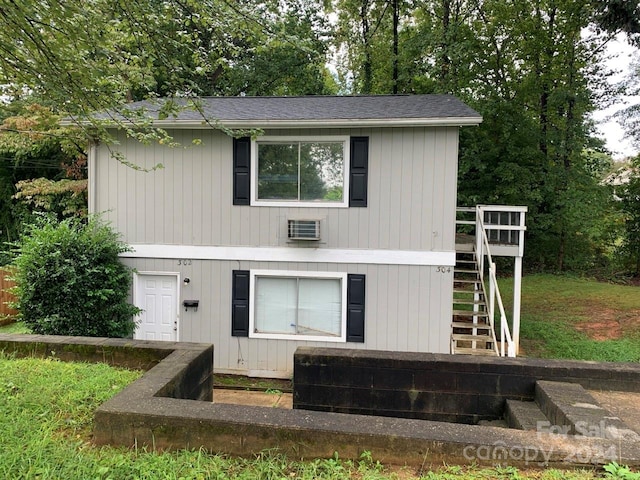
[334, 227]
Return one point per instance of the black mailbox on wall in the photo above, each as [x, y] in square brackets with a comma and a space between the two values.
[190, 304]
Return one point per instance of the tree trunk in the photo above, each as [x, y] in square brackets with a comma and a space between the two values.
[367, 67]
[561, 249]
[395, 46]
[444, 44]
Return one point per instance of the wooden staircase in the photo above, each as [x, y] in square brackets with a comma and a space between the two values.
[471, 332]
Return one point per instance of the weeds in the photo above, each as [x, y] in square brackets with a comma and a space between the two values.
[620, 472]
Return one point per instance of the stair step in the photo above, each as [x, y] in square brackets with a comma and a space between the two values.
[475, 351]
[523, 415]
[464, 337]
[479, 326]
[458, 290]
[466, 265]
[462, 301]
[571, 405]
[464, 270]
[468, 291]
[470, 313]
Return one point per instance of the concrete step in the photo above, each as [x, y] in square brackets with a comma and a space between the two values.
[524, 415]
[494, 423]
[570, 406]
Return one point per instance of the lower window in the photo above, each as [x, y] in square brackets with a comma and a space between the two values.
[298, 305]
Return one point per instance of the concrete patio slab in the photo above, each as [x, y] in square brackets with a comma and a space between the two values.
[625, 405]
[254, 399]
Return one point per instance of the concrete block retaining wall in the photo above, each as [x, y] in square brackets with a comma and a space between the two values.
[165, 410]
[452, 388]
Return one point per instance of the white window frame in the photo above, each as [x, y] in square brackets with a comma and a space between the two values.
[344, 139]
[295, 274]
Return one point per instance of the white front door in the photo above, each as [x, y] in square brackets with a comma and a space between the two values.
[157, 296]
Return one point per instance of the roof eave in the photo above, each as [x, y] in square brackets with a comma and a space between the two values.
[334, 123]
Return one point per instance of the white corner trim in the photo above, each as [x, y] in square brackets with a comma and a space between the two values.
[294, 254]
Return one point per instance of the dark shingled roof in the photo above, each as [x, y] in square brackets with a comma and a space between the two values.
[321, 109]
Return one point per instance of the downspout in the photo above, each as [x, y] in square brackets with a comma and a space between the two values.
[92, 157]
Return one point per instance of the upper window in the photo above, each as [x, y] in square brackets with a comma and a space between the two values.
[298, 305]
[301, 171]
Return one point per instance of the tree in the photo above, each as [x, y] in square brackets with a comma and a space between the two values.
[42, 169]
[70, 281]
[527, 69]
[80, 57]
[616, 16]
[629, 195]
[369, 39]
[85, 57]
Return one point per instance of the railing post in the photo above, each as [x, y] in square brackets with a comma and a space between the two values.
[492, 301]
[517, 293]
[479, 240]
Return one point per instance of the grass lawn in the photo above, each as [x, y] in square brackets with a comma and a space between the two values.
[46, 409]
[576, 318]
[16, 327]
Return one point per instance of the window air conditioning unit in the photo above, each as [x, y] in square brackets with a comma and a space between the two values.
[304, 230]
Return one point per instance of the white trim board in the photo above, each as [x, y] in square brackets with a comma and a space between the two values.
[200, 124]
[289, 254]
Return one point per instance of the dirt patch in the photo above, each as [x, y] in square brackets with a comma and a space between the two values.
[608, 323]
[601, 330]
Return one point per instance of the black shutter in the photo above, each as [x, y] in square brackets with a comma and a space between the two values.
[358, 165]
[240, 304]
[242, 171]
[355, 308]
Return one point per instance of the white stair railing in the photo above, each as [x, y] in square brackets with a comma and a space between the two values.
[483, 249]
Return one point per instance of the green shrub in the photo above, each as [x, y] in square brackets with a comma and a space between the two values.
[70, 281]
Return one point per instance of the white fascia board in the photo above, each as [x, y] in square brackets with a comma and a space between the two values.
[502, 208]
[336, 123]
[295, 254]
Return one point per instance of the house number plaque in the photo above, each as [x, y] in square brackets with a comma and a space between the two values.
[185, 261]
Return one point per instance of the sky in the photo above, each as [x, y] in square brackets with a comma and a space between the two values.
[622, 55]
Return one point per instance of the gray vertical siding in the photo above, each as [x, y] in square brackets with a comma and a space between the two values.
[406, 310]
[411, 204]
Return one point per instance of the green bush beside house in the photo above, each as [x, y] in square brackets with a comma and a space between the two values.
[70, 281]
